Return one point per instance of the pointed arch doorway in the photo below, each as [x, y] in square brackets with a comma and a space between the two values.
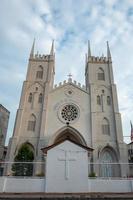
[70, 133]
[109, 166]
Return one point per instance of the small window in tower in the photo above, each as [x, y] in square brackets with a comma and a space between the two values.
[39, 73]
[30, 98]
[98, 100]
[40, 98]
[108, 100]
[105, 127]
[100, 74]
[31, 123]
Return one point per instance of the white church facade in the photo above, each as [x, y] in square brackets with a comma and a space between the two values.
[86, 115]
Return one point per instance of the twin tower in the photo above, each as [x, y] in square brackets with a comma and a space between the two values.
[88, 115]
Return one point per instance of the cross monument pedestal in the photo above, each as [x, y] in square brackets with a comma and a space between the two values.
[67, 168]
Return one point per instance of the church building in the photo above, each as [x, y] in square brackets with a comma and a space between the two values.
[88, 115]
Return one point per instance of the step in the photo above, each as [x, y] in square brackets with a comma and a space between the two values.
[60, 196]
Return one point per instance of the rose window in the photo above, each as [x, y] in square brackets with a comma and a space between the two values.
[69, 113]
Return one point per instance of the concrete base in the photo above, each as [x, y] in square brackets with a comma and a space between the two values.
[37, 185]
[75, 196]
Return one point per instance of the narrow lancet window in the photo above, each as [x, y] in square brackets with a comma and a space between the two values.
[31, 123]
[98, 100]
[40, 98]
[108, 100]
[101, 75]
[105, 127]
[30, 98]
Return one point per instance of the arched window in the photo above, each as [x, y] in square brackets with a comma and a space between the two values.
[98, 100]
[100, 74]
[39, 73]
[31, 123]
[30, 98]
[108, 100]
[105, 127]
[107, 169]
[40, 98]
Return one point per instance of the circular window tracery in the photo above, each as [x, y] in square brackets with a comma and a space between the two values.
[69, 113]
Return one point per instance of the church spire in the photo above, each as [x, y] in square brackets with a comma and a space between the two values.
[86, 58]
[108, 52]
[131, 131]
[32, 49]
[89, 49]
[52, 49]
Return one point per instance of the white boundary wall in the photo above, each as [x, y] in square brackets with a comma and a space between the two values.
[16, 185]
[116, 186]
[22, 184]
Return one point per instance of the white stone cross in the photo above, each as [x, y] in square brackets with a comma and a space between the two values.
[66, 159]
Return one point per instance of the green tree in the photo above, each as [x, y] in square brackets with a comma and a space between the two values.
[24, 159]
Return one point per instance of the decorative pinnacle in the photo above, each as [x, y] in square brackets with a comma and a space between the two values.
[108, 52]
[52, 49]
[89, 49]
[131, 131]
[32, 49]
[86, 58]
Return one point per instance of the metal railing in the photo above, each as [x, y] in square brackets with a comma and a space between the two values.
[106, 170]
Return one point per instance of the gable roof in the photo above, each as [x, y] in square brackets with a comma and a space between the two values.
[44, 150]
[70, 84]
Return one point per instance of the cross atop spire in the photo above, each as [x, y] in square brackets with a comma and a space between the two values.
[32, 49]
[69, 75]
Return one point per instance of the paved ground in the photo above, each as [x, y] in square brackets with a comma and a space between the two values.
[76, 196]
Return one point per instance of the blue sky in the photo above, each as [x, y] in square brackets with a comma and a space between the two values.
[70, 23]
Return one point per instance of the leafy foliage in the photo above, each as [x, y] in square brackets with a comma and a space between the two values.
[23, 165]
[41, 174]
[92, 175]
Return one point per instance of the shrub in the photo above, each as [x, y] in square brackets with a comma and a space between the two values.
[22, 167]
[92, 175]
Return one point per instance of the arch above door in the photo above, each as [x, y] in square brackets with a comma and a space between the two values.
[67, 132]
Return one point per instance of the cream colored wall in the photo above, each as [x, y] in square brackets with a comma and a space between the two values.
[99, 140]
[35, 86]
[58, 98]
